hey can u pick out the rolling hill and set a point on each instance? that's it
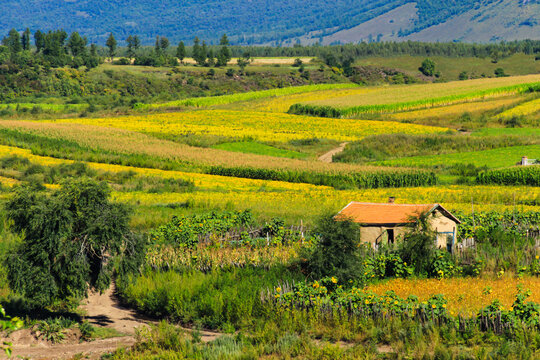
(282, 22)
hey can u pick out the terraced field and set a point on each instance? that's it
(387, 99)
(277, 198)
(254, 155)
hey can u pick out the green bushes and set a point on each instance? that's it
(364, 180)
(338, 252)
(522, 175)
(185, 231)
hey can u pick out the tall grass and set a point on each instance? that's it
(216, 300)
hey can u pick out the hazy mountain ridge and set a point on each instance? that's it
(281, 22)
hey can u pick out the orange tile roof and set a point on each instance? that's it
(385, 213)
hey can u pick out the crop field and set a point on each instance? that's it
(118, 141)
(283, 103)
(260, 149)
(514, 65)
(268, 127)
(455, 110)
(494, 158)
(410, 97)
(55, 108)
(250, 96)
(293, 201)
(528, 108)
(465, 297)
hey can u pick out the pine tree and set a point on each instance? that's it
(224, 55)
(164, 43)
(39, 40)
(157, 47)
(76, 44)
(111, 44)
(181, 51)
(130, 47)
(136, 43)
(204, 53)
(26, 39)
(199, 53)
(93, 50)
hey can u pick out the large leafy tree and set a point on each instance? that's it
(69, 238)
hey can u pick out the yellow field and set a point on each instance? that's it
(527, 108)
(408, 93)
(300, 201)
(269, 127)
(465, 296)
(454, 110)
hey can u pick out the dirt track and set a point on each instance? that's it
(102, 310)
(327, 157)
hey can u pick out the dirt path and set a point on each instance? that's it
(102, 310)
(327, 157)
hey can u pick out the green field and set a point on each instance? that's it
(495, 158)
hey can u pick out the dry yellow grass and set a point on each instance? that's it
(283, 103)
(465, 295)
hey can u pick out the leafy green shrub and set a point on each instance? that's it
(418, 245)
(337, 253)
(184, 231)
(443, 266)
(53, 329)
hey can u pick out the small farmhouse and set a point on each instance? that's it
(383, 223)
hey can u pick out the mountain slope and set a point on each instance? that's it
(281, 21)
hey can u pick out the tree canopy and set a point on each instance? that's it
(69, 238)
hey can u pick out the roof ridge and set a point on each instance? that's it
(392, 204)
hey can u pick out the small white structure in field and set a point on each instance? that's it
(525, 161)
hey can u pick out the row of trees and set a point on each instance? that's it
(55, 48)
(201, 53)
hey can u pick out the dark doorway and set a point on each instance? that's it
(390, 233)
